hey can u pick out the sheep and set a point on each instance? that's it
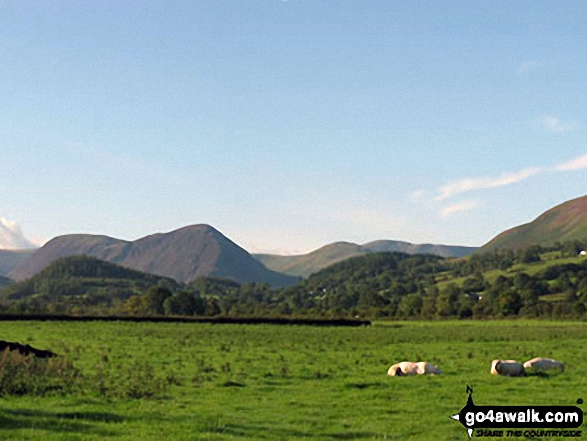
(411, 368)
(507, 368)
(544, 364)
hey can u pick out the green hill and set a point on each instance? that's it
(305, 264)
(532, 282)
(378, 269)
(83, 276)
(567, 221)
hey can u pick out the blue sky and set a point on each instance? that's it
(291, 124)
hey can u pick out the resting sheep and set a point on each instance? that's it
(411, 368)
(544, 364)
(507, 368)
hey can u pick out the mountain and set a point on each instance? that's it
(305, 264)
(183, 255)
(564, 222)
(11, 236)
(9, 259)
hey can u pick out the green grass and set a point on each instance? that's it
(548, 260)
(553, 298)
(263, 382)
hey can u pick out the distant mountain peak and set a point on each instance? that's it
(204, 228)
(183, 255)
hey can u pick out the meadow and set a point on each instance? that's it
(182, 381)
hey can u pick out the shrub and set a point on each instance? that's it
(20, 374)
(136, 380)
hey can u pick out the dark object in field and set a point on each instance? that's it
(25, 349)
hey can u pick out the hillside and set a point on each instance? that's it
(567, 221)
(9, 259)
(84, 276)
(183, 255)
(533, 282)
(305, 264)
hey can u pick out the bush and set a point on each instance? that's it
(20, 374)
(136, 380)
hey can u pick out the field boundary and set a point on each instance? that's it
(212, 320)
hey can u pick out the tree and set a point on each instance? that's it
(429, 303)
(509, 302)
(183, 303)
(531, 254)
(134, 305)
(211, 307)
(154, 298)
(474, 284)
(447, 301)
(411, 305)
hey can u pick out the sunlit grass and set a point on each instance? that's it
(228, 382)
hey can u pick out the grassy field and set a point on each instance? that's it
(266, 382)
(547, 260)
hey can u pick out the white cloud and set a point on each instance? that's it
(578, 163)
(11, 236)
(556, 126)
(466, 185)
(527, 66)
(470, 184)
(459, 207)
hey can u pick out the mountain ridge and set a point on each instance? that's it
(303, 265)
(183, 255)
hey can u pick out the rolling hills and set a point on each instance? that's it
(562, 223)
(183, 255)
(305, 264)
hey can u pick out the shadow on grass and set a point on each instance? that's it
(540, 374)
(65, 422)
(104, 417)
(260, 431)
(366, 385)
